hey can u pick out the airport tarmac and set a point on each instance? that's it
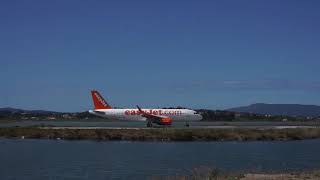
(194, 127)
(91, 124)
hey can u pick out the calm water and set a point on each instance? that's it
(54, 159)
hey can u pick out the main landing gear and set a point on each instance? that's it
(187, 124)
(149, 124)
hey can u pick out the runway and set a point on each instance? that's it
(198, 127)
(91, 124)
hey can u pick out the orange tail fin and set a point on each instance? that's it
(98, 101)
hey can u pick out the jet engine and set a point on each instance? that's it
(165, 121)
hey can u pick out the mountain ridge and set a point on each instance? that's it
(280, 109)
(17, 110)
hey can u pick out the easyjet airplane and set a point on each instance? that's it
(156, 116)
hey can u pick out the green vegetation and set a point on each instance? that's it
(163, 134)
(30, 115)
(217, 115)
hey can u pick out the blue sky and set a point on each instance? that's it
(198, 54)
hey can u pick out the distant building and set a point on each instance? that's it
(66, 116)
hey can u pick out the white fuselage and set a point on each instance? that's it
(135, 115)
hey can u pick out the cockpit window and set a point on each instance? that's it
(195, 113)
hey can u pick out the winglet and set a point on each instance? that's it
(139, 108)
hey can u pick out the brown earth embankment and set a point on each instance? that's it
(163, 134)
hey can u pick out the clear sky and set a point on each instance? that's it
(198, 54)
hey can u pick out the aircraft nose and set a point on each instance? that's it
(199, 117)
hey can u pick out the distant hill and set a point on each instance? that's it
(14, 110)
(280, 109)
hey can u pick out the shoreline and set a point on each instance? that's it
(162, 134)
(207, 173)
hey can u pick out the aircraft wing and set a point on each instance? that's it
(162, 120)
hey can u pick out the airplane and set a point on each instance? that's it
(163, 117)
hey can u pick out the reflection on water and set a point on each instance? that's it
(50, 159)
